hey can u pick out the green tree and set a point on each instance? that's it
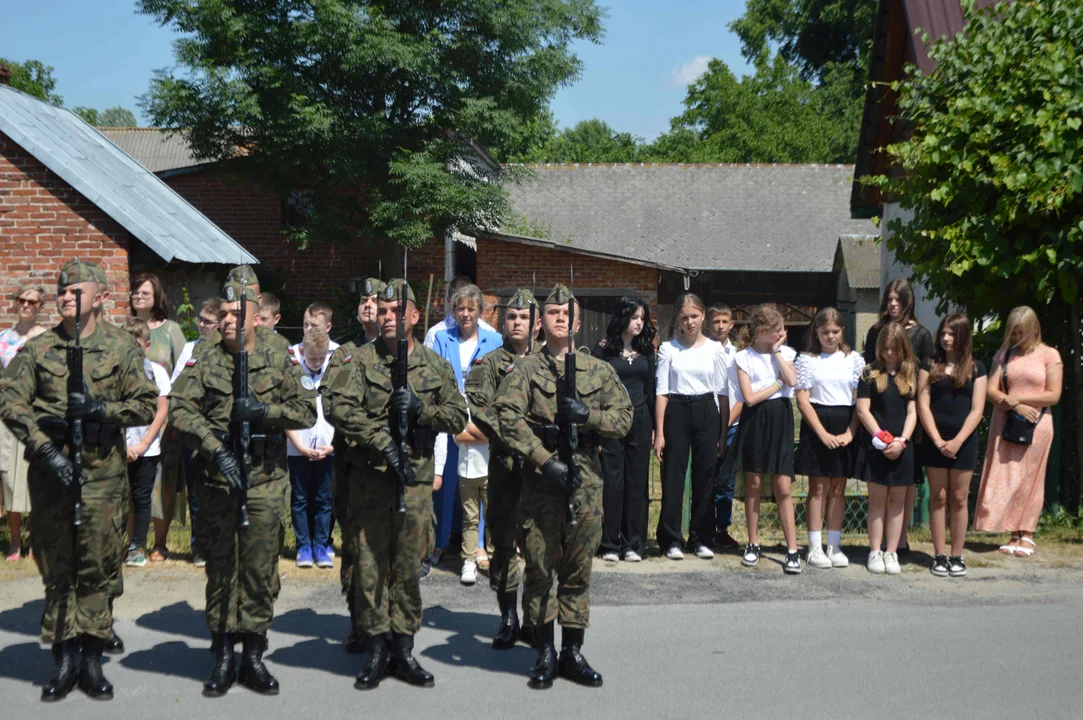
(590, 141)
(34, 78)
(380, 97)
(994, 174)
(117, 117)
(89, 115)
(772, 116)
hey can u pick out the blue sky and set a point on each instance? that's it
(104, 54)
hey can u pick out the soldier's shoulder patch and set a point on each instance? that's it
(509, 368)
(148, 369)
(190, 363)
(348, 358)
(480, 360)
(294, 360)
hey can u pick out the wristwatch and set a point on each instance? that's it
(903, 440)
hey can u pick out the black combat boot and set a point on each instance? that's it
(545, 668)
(403, 664)
(91, 679)
(508, 632)
(572, 664)
(65, 674)
(217, 639)
(224, 672)
(254, 674)
(114, 645)
(526, 633)
(355, 643)
(375, 668)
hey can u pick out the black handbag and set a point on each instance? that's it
(1017, 429)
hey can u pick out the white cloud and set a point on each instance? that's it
(691, 70)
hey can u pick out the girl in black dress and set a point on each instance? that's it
(951, 398)
(885, 407)
(898, 306)
(629, 347)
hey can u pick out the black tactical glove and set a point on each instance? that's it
(83, 407)
(249, 410)
(554, 470)
(57, 462)
(572, 410)
(391, 454)
(229, 467)
(404, 399)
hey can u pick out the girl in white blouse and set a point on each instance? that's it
(690, 376)
(764, 442)
(827, 376)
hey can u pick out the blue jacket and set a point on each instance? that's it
(446, 345)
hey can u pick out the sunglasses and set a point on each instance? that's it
(204, 321)
(27, 302)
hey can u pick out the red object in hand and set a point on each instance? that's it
(885, 437)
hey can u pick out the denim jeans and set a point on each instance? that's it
(310, 500)
(723, 491)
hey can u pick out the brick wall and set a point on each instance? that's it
(44, 223)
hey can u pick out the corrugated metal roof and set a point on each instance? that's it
(937, 19)
(861, 257)
(155, 149)
(696, 217)
(124, 190)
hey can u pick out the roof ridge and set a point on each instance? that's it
(575, 166)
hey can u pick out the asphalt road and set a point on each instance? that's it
(671, 643)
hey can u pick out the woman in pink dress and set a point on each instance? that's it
(1013, 482)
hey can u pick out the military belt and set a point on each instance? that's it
(261, 445)
(95, 434)
(549, 434)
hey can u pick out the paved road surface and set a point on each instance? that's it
(672, 641)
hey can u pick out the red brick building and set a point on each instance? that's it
(66, 192)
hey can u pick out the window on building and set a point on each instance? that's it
(299, 207)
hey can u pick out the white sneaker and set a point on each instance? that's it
(891, 563)
(876, 562)
(632, 556)
(837, 557)
(674, 553)
(611, 557)
(816, 558)
(704, 553)
(470, 573)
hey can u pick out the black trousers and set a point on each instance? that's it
(692, 425)
(626, 466)
(141, 478)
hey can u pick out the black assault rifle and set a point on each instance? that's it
(569, 431)
(242, 432)
(76, 384)
(400, 381)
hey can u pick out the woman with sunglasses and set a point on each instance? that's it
(13, 466)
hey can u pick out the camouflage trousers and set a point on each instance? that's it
(502, 518)
(389, 546)
(81, 567)
(556, 550)
(340, 506)
(242, 565)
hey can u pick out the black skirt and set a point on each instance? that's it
(815, 459)
(764, 440)
(874, 467)
(965, 459)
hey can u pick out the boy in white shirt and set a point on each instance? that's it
(311, 459)
(719, 324)
(144, 452)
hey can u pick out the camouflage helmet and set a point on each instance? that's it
(521, 300)
(80, 271)
(372, 286)
(394, 290)
(232, 291)
(560, 295)
(243, 274)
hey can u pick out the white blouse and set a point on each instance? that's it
(830, 378)
(763, 370)
(691, 371)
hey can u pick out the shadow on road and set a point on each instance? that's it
(177, 619)
(470, 644)
(25, 620)
(175, 658)
(309, 623)
(318, 654)
(28, 662)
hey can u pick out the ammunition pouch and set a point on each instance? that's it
(549, 434)
(95, 434)
(261, 445)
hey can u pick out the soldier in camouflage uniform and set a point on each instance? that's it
(81, 567)
(245, 275)
(521, 323)
(526, 408)
(242, 563)
(347, 456)
(387, 574)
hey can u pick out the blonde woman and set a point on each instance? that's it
(13, 466)
(888, 415)
(1026, 381)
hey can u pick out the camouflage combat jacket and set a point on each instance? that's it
(481, 386)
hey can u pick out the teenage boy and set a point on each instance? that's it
(719, 325)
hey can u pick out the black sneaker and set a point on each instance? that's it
(956, 566)
(751, 557)
(940, 566)
(426, 568)
(792, 566)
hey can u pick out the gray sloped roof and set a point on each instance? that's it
(122, 188)
(861, 257)
(696, 217)
(155, 149)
